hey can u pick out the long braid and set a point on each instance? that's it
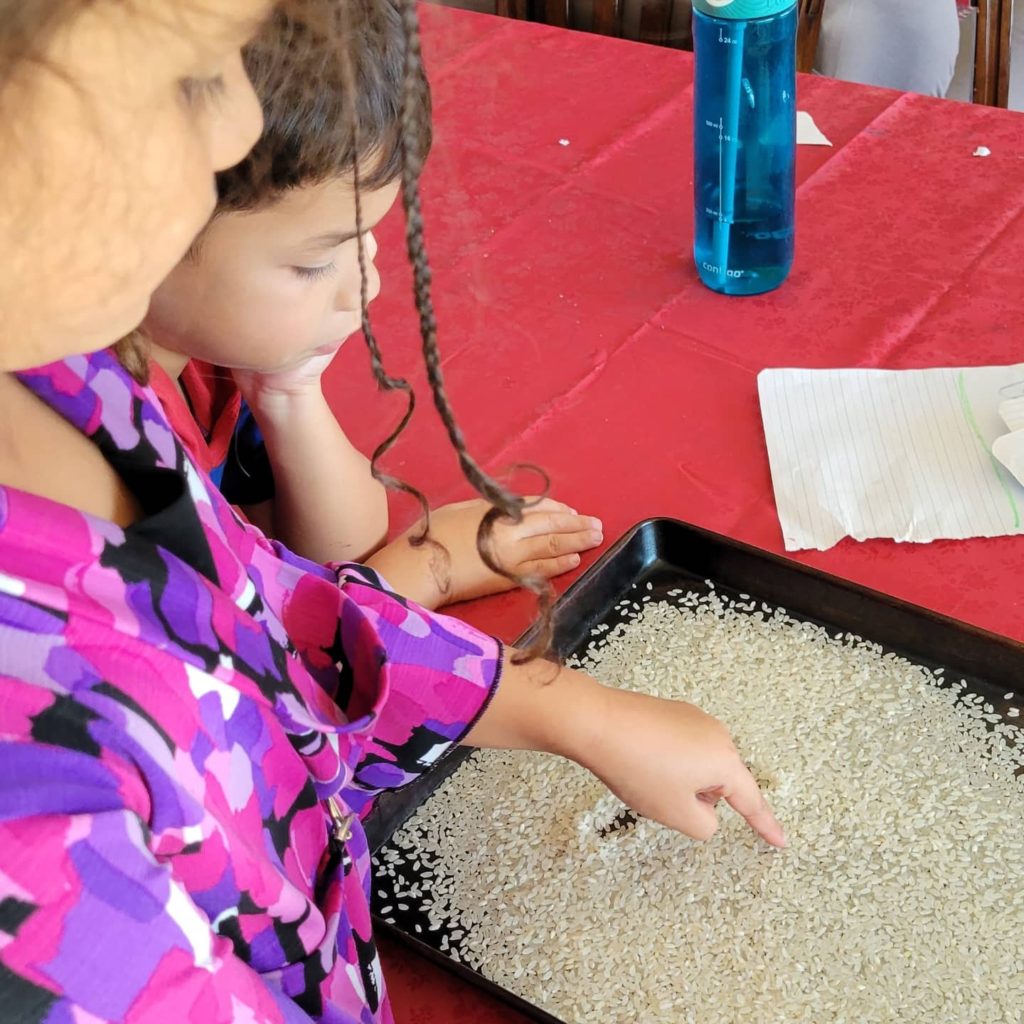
(505, 503)
(384, 380)
(441, 567)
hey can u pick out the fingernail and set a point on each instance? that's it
(596, 537)
(574, 559)
(596, 523)
(574, 512)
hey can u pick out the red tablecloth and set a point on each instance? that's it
(577, 336)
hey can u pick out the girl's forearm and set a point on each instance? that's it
(327, 505)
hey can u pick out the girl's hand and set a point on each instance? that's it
(546, 542)
(266, 391)
(327, 506)
(665, 759)
(669, 761)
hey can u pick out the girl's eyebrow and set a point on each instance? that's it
(331, 239)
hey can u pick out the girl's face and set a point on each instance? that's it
(271, 288)
(109, 140)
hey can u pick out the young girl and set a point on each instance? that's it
(192, 718)
(274, 287)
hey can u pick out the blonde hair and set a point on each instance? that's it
(132, 352)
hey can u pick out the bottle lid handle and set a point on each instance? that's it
(742, 10)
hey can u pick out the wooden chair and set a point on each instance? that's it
(991, 49)
(992, 52)
(655, 16)
(807, 33)
(655, 24)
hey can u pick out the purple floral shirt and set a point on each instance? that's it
(177, 700)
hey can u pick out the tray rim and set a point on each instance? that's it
(587, 580)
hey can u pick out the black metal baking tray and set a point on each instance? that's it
(669, 554)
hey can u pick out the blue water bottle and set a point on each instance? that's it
(744, 142)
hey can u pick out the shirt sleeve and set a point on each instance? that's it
(413, 682)
(93, 927)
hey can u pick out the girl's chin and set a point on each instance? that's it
(329, 348)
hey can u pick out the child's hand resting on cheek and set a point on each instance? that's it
(261, 389)
(546, 542)
(326, 506)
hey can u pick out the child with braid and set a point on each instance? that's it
(193, 721)
(244, 327)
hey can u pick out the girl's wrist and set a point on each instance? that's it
(540, 706)
(580, 719)
(283, 410)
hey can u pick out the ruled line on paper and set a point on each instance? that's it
(903, 454)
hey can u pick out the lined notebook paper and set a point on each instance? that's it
(905, 454)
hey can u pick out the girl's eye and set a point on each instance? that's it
(314, 273)
(197, 91)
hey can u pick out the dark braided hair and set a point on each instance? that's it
(324, 117)
(368, 115)
(351, 94)
(504, 503)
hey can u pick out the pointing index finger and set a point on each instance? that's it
(748, 801)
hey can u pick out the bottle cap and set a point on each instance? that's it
(742, 10)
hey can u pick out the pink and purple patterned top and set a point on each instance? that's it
(177, 700)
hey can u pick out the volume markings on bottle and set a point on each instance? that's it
(723, 136)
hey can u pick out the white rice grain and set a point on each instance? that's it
(899, 899)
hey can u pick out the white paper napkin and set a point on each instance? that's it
(905, 454)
